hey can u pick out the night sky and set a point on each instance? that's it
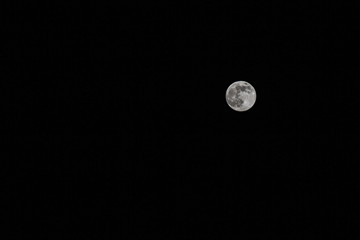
(115, 122)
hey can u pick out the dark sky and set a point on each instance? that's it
(121, 128)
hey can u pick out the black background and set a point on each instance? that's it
(115, 122)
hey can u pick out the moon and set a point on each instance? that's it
(240, 96)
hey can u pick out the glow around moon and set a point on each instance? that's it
(240, 96)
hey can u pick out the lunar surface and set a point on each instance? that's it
(240, 96)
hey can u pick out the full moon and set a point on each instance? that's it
(240, 96)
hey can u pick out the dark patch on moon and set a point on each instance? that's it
(245, 89)
(239, 102)
(231, 92)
